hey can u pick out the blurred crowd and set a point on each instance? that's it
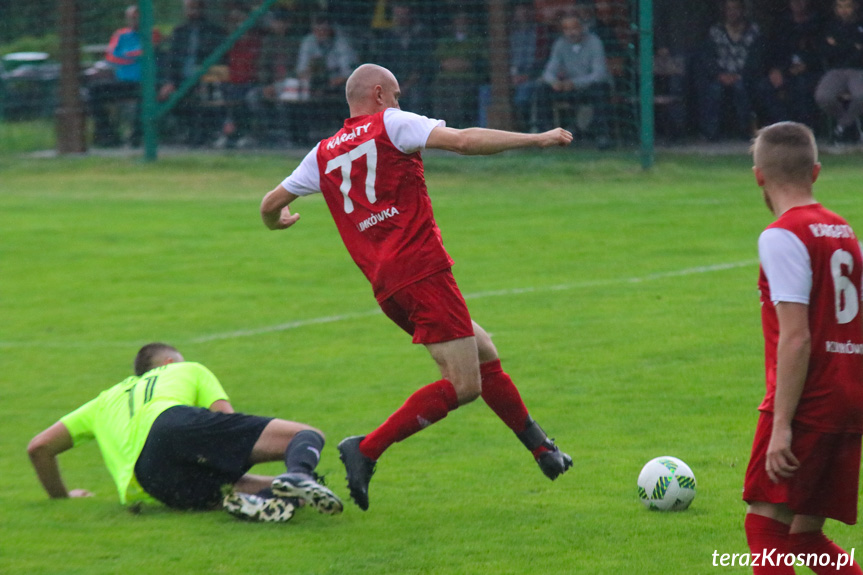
(718, 73)
(799, 60)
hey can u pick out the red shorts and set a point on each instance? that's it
(432, 310)
(826, 483)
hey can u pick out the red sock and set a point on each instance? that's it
(501, 395)
(768, 538)
(816, 544)
(539, 451)
(426, 406)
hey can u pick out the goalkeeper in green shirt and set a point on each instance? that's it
(169, 433)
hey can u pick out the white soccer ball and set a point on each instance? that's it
(666, 484)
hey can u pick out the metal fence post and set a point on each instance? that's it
(149, 117)
(645, 59)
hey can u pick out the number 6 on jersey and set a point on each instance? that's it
(847, 303)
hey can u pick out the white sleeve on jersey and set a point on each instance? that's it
(408, 131)
(786, 264)
(306, 179)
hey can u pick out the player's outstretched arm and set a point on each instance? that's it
(484, 142)
(43, 451)
(274, 209)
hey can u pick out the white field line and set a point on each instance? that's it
(363, 314)
(284, 326)
(606, 282)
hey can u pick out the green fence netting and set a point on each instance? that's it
(270, 74)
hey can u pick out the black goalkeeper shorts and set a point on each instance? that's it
(191, 453)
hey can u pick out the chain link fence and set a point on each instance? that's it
(231, 74)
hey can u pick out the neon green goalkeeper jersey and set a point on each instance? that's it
(120, 418)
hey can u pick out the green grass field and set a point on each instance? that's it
(623, 304)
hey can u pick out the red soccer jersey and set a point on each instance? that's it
(824, 245)
(377, 196)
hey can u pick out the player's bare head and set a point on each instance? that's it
(155, 355)
(786, 153)
(369, 83)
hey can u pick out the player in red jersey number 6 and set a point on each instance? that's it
(371, 176)
(805, 463)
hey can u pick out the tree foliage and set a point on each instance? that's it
(97, 18)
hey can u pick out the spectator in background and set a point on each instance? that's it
(669, 86)
(793, 66)
(124, 58)
(243, 67)
(326, 57)
(549, 12)
(406, 49)
(842, 47)
(611, 30)
(190, 44)
(730, 63)
(672, 70)
(326, 60)
(461, 57)
(525, 63)
(576, 72)
(277, 63)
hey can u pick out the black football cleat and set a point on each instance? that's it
(553, 462)
(360, 469)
